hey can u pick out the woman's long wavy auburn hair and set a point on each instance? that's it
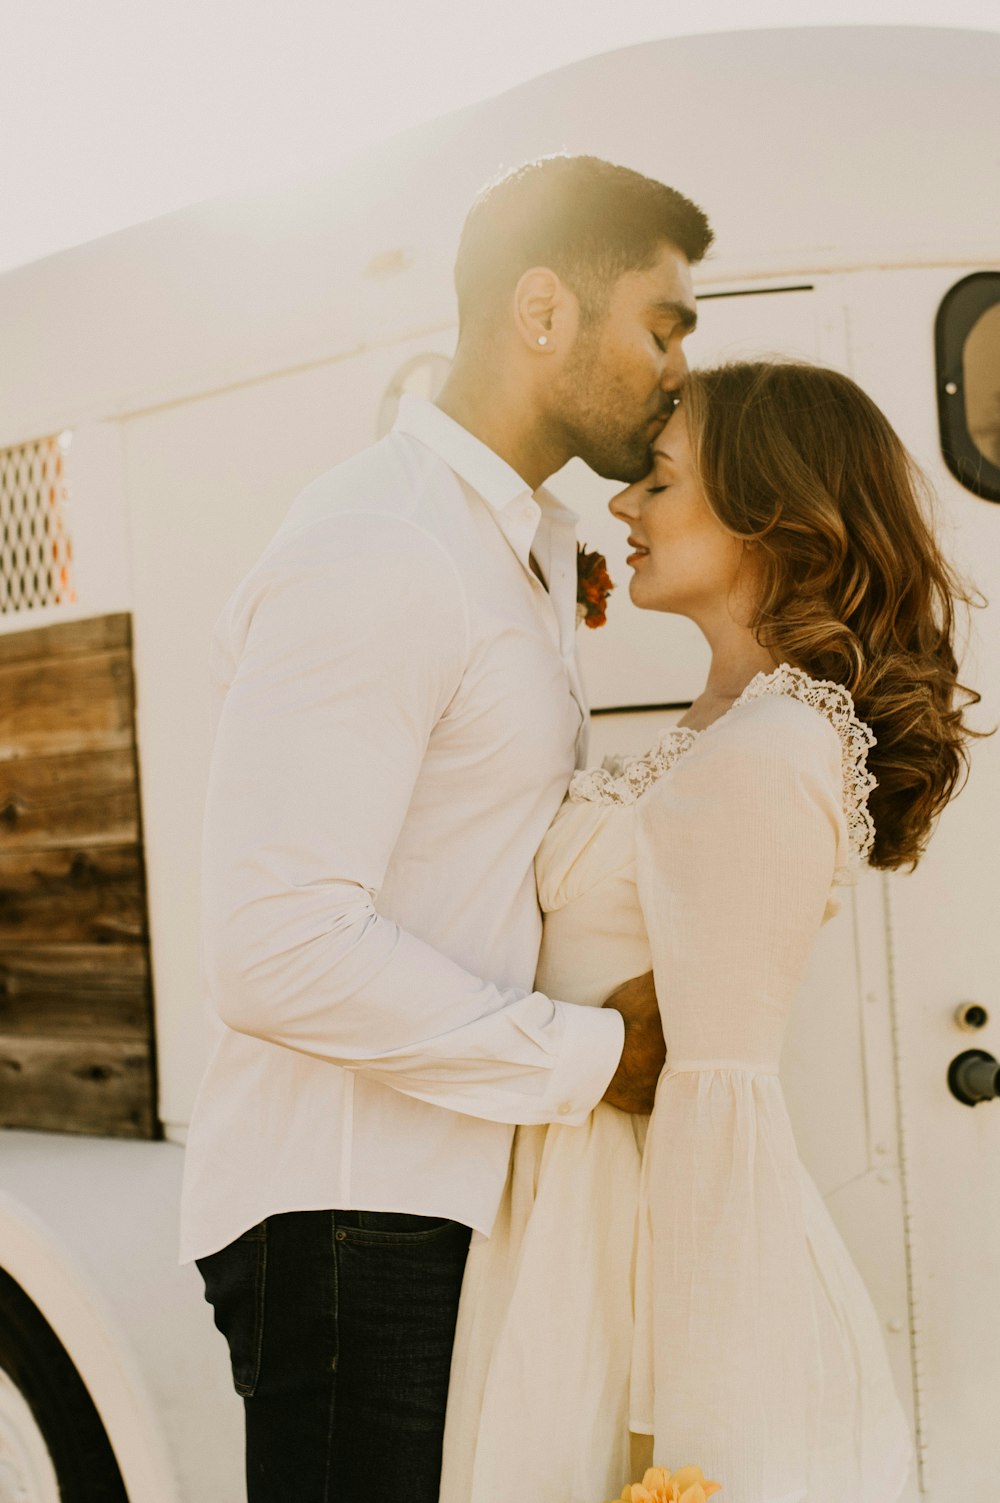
(799, 462)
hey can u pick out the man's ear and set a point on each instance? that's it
(546, 312)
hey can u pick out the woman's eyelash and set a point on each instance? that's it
(659, 344)
(654, 490)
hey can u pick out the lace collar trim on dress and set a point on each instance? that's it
(626, 779)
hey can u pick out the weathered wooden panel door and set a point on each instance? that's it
(76, 1049)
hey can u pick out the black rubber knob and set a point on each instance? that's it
(974, 1076)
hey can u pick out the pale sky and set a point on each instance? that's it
(115, 111)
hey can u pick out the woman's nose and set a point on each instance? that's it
(623, 505)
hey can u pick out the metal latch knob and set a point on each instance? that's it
(974, 1076)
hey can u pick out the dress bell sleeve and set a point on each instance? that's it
(737, 848)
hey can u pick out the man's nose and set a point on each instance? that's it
(675, 370)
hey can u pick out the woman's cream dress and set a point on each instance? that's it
(691, 1287)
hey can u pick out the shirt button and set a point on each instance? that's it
(565, 1107)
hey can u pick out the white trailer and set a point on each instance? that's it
(203, 367)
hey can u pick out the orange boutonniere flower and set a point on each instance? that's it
(593, 586)
(689, 1485)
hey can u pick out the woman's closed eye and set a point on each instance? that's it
(654, 490)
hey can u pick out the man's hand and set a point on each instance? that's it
(633, 1084)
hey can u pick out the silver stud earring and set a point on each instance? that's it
(543, 339)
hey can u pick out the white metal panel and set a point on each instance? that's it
(946, 949)
(812, 150)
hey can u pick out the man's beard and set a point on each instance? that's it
(598, 430)
(621, 457)
(605, 444)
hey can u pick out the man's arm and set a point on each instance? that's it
(351, 643)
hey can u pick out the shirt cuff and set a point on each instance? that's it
(591, 1050)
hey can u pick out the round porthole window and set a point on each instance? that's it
(423, 376)
(968, 375)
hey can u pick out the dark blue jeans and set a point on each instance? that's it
(340, 1327)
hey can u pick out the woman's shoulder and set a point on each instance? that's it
(802, 704)
(791, 716)
(787, 730)
(771, 726)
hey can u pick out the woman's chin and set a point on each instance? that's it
(645, 598)
(635, 590)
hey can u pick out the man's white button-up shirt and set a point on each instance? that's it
(398, 716)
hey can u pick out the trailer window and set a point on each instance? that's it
(36, 551)
(968, 376)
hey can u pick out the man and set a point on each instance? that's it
(399, 717)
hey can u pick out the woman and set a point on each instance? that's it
(687, 1298)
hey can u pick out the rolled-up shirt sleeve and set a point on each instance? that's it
(346, 646)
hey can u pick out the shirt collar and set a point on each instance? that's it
(477, 464)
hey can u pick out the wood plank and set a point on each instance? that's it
(92, 991)
(88, 1086)
(95, 634)
(49, 707)
(76, 1050)
(74, 895)
(90, 798)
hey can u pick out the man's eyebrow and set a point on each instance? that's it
(681, 313)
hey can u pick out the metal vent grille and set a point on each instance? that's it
(36, 552)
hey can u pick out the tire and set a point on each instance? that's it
(52, 1442)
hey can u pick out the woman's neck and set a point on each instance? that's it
(737, 657)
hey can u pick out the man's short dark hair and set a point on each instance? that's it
(588, 220)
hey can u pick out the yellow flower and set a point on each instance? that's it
(689, 1485)
(693, 1486)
